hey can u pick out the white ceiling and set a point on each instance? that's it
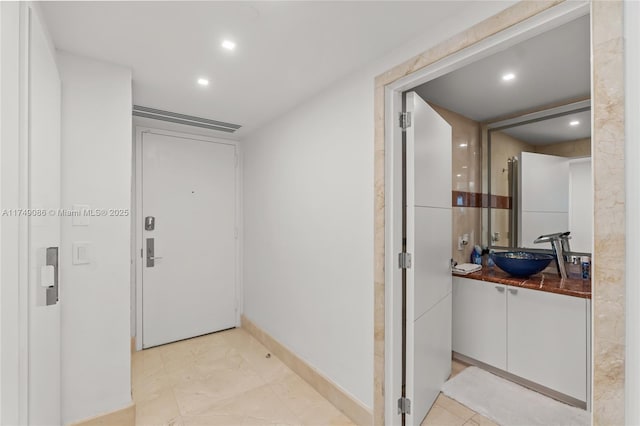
(549, 68)
(553, 130)
(286, 51)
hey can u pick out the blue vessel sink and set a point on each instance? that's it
(521, 263)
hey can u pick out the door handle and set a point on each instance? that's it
(52, 291)
(513, 290)
(500, 289)
(151, 258)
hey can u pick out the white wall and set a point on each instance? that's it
(308, 226)
(96, 171)
(308, 219)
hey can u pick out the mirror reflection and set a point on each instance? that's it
(524, 97)
(540, 178)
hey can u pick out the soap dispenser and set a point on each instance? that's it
(574, 269)
(476, 255)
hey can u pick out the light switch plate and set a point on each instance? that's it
(80, 220)
(81, 253)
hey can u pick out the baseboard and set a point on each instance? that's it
(123, 417)
(350, 406)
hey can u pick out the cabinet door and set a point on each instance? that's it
(547, 340)
(479, 326)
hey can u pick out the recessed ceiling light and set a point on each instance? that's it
(203, 81)
(458, 175)
(508, 76)
(463, 145)
(228, 44)
(574, 123)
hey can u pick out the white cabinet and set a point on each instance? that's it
(538, 336)
(479, 326)
(547, 340)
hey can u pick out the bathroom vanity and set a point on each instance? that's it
(534, 331)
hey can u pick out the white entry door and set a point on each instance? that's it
(429, 281)
(189, 238)
(44, 228)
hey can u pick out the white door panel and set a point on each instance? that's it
(432, 154)
(428, 150)
(432, 357)
(44, 230)
(432, 256)
(535, 224)
(545, 182)
(581, 204)
(189, 188)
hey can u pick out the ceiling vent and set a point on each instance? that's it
(188, 120)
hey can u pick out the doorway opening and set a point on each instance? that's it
(402, 368)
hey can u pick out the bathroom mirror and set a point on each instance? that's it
(522, 97)
(539, 178)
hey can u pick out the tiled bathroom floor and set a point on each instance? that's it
(223, 379)
(449, 412)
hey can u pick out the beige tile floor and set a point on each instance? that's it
(223, 379)
(449, 412)
(227, 379)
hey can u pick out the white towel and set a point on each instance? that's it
(466, 268)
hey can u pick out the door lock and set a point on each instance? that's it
(149, 223)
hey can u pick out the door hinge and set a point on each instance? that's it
(404, 260)
(405, 120)
(404, 406)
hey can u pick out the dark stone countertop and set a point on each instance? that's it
(544, 281)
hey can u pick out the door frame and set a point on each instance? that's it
(392, 200)
(632, 159)
(137, 263)
(14, 166)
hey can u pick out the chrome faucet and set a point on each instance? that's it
(560, 245)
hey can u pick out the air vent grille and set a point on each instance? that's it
(189, 120)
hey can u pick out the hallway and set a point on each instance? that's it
(223, 378)
(227, 379)
(316, 255)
